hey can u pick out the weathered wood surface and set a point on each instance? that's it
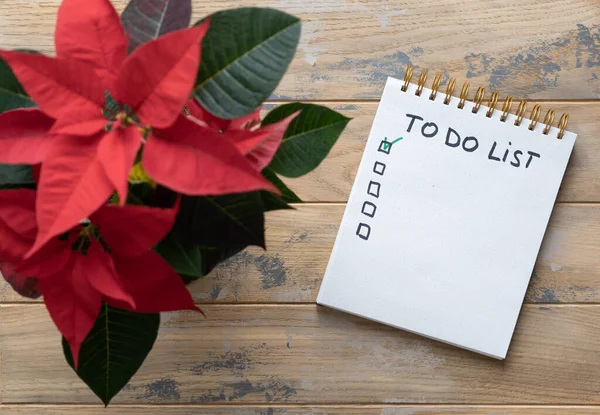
(298, 410)
(333, 179)
(276, 356)
(530, 48)
(299, 244)
(309, 354)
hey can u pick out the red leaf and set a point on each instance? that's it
(35, 171)
(58, 86)
(102, 275)
(48, 261)
(73, 303)
(195, 160)
(157, 78)
(116, 152)
(17, 223)
(90, 31)
(83, 122)
(260, 149)
(204, 118)
(72, 186)
(133, 230)
(246, 122)
(25, 286)
(23, 136)
(154, 285)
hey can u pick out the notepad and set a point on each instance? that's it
(446, 217)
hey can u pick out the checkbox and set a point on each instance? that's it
(363, 231)
(385, 147)
(373, 189)
(379, 168)
(369, 209)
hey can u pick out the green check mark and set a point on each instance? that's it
(393, 142)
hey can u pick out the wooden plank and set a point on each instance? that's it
(530, 48)
(309, 354)
(299, 244)
(333, 179)
(297, 410)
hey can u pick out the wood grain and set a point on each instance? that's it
(310, 354)
(297, 410)
(333, 179)
(299, 244)
(278, 357)
(529, 48)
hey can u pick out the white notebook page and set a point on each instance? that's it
(440, 238)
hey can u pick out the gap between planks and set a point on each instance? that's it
(572, 203)
(307, 304)
(302, 405)
(376, 101)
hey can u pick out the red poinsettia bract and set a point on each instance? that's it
(107, 258)
(257, 143)
(85, 146)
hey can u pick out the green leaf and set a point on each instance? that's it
(12, 94)
(15, 176)
(307, 140)
(244, 56)
(211, 257)
(114, 350)
(185, 258)
(286, 193)
(222, 221)
(272, 202)
(145, 20)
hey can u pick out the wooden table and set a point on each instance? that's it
(266, 348)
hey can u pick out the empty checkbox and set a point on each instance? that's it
(379, 168)
(369, 209)
(363, 231)
(385, 147)
(373, 189)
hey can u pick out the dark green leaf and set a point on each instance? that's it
(286, 193)
(271, 202)
(211, 257)
(184, 258)
(114, 350)
(145, 20)
(12, 94)
(244, 56)
(16, 175)
(222, 221)
(307, 140)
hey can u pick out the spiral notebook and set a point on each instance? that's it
(447, 214)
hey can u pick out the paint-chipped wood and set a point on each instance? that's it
(529, 48)
(239, 355)
(299, 243)
(297, 410)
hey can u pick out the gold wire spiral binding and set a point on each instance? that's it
(463, 95)
(506, 108)
(562, 125)
(535, 115)
(479, 95)
(449, 90)
(437, 80)
(421, 82)
(407, 77)
(492, 104)
(548, 120)
(520, 112)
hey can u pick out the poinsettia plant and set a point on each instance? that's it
(136, 160)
